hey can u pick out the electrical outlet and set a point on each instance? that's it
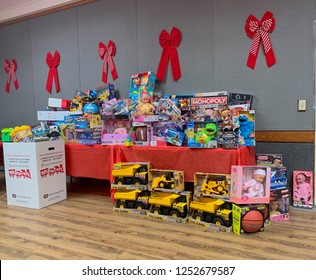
(301, 105)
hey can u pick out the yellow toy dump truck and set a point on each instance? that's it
(212, 210)
(135, 199)
(170, 204)
(217, 186)
(131, 173)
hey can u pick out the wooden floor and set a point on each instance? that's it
(83, 227)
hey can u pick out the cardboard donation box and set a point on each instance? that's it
(35, 173)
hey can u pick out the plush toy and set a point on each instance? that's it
(246, 129)
(227, 121)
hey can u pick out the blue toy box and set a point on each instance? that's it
(140, 83)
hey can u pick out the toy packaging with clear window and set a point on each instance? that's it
(303, 189)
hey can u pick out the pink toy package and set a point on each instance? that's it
(115, 131)
(303, 189)
(250, 184)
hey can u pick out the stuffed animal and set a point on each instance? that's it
(227, 121)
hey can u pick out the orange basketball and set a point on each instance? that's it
(252, 221)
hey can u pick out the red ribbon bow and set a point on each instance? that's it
(169, 43)
(10, 68)
(53, 63)
(106, 54)
(258, 31)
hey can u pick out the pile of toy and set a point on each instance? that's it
(240, 202)
(200, 120)
(147, 117)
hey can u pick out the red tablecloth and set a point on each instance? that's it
(93, 161)
(189, 160)
(96, 161)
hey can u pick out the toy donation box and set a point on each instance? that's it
(35, 173)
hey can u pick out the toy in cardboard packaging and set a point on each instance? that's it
(275, 160)
(130, 175)
(21, 133)
(68, 133)
(212, 184)
(250, 218)
(303, 189)
(278, 177)
(202, 134)
(173, 207)
(213, 211)
(236, 99)
(280, 203)
(247, 128)
(140, 133)
(250, 184)
(5, 134)
(207, 108)
(142, 82)
(115, 130)
(175, 137)
(166, 180)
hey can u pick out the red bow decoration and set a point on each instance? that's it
(106, 54)
(53, 63)
(258, 31)
(10, 68)
(169, 43)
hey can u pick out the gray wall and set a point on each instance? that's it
(213, 54)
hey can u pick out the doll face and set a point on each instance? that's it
(259, 178)
(120, 124)
(300, 178)
(145, 99)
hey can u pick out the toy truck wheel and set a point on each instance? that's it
(137, 182)
(162, 184)
(172, 185)
(198, 216)
(139, 206)
(218, 221)
(119, 181)
(174, 214)
(121, 205)
(156, 210)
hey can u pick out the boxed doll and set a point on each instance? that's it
(250, 184)
(303, 189)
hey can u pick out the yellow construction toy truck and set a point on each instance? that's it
(170, 180)
(170, 204)
(131, 173)
(132, 199)
(217, 186)
(212, 210)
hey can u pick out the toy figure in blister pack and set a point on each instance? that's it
(255, 187)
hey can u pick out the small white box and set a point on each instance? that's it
(35, 173)
(59, 103)
(52, 115)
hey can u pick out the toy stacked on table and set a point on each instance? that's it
(211, 206)
(280, 192)
(130, 185)
(168, 200)
(250, 193)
